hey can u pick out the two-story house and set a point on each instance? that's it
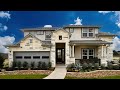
(66, 45)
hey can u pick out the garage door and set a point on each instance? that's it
(43, 56)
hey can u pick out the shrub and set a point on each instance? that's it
(78, 66)
(103, 66)
(49, 65)
(109, 65)
(85, 66)
(39, 65)
(116, 67)
(6, 64)
(90, 65)
(14, 64)
(96, 66)
(1, 61)
(25, 65)
(32, 65)
(19, 65)
(44, 66)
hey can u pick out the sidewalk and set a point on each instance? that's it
(58, 73)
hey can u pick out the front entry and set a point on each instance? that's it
(60, 53)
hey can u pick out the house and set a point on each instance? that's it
(116, 55)
(66, 45)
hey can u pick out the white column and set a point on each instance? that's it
(102, 51)
(73, 51)
(70, 51)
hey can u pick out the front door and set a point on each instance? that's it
(60, 55)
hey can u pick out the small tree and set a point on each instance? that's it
(25, 65)
(19, 65)
(32, 65)
(39, 65)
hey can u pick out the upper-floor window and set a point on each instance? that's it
(48, 35)
(71, 30)
(88, 32)
(40, 32)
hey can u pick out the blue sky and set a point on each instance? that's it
(12, 21)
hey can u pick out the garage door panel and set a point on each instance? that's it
(44, 56)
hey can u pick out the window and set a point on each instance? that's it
(27, 57)
(71, 30)
(36, 57)
(87, 32)
(40, 32)
(48, 35)
(60, 37)
(87, 53)
(31, 40)
(18, 57)
(45, 57)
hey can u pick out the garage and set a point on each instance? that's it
(32, 56)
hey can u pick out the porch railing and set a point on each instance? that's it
(93, 61)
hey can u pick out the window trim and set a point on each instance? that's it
(87, 52)
(40, 33)
(70, 30)
(48, 34)
(88, 36)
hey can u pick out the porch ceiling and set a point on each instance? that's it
(89, 42)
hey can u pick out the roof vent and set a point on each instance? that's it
(49, 26)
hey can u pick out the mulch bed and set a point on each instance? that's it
(94, 74)
(23, 72)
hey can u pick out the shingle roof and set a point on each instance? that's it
(105, 33)
(89, 42)
(82, 26)
(41, 28)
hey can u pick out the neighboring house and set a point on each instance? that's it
(66, 45)
(116, 55)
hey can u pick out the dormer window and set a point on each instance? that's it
(48, 35)
(87, 32)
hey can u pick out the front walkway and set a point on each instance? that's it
(58, 73)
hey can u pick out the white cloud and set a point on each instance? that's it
(77, 21)
(104, 12)
(3, 27)
(116, 44)
(4, 14)
(116, 16)
(7, 40)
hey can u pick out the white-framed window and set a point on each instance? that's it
(87, 53)
(48, 35)
(40, 32)
(71, 30)
(88, 32)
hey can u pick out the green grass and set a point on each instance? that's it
(35, 76)
(107, 77)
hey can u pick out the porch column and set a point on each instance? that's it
(73, 51)
(102, 52)
(70, 51)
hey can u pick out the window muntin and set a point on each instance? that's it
(48, 35)
(40, 32)
(87, 53)
(87, 32)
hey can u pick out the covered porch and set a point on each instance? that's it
(89, 51)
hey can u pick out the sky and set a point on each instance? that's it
(12, 21)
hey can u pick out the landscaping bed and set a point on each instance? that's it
(93, 74)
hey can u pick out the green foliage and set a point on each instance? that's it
(25, 65)
(1, 61)
(103, 66)
(84, 66)
(32, 65)
(14, 64)
(49, 65)
(96, 66)
(78, 66)
(39, 65)
(19, 65)
(116, 67)
(109, 65)
(44, 66)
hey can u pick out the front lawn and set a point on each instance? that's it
(106, 77)
(32, 76)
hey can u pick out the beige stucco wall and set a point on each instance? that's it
(78, 50)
